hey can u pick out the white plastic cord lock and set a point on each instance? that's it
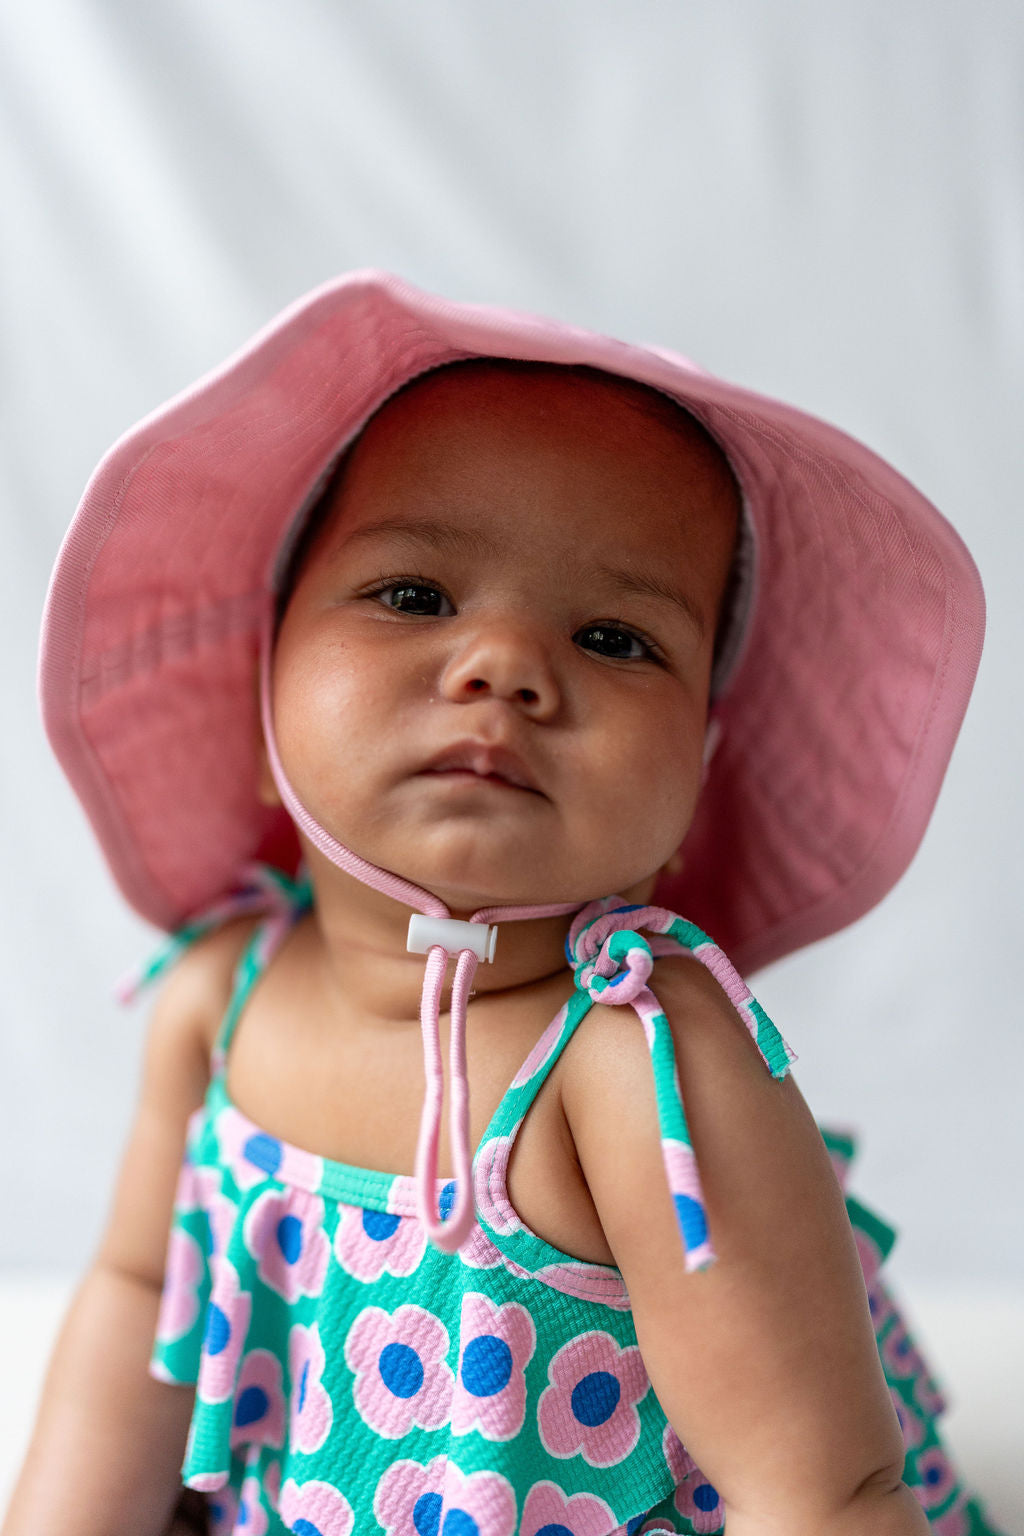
(452, 934)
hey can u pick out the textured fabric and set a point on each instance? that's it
(350, 1377)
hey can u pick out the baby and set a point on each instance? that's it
(502, 584)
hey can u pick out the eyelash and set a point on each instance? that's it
(387, 583)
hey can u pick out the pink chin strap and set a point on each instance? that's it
(435, 933)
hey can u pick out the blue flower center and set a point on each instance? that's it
(217, 1331)
(251, 1406)
(705, 1497)
(595, 1397)
(289, 1237)
(263, 1152)
(692, 1221)
(206, 1229)
(486, 1365)
(426, 1518)
(458, 1523)
(401, 1369)
(426, 1514)
(380, 1224)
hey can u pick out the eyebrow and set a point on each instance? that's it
(447, 538)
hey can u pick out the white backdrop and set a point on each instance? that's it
(819, 200)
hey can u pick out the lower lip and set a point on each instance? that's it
(467, 776)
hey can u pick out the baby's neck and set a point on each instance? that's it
(357, 943)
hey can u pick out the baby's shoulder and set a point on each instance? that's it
(198, 987)
(608, 1061)
(689, 996)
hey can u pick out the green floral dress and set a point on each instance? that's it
(350, 1377)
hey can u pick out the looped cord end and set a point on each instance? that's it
(451, 1234)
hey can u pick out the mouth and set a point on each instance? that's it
(471, 761)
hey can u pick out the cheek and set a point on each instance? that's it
(323, 704)
(650, 777)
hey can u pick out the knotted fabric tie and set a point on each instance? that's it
(612, 963)
(260, 889)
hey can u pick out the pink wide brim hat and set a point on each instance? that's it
(861, 639)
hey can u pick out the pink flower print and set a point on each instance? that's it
(955, 1522)
(222, 1508)
(497, 1344)
(407, 1492)
(926, 1393)
(937, 1480)
(698, 1502)
(218, 1209)
(677, 1458)
(489, 1165)
(311, 1410)
(252, 1517)
(869, 1254)
(880, 1306)
(694, 1496)
(401, 1375)
(227, 1323)
(588, 1407)
(910, 1424)
(898, 1353)
(179, 1303)
(198, 1189)
(255, 1156)
(902, 1360)
(415, 1500)
(691, 1216)
(542, 1049)
(549, 1510)
(478, 1252)
(366, 1243)
(284, 1233)
(258, 1417)
(315, 1509)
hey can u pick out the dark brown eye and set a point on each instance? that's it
(413, 597)
(611, 640)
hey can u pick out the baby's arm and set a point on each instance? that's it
(108, 1444)
(765, 1363)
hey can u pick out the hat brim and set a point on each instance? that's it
(862, 642)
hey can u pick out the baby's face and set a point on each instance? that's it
(476, 684)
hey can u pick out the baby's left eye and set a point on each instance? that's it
(613, 640)
(409, 596)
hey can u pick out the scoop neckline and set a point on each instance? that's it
(312, 1171)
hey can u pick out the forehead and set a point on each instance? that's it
(540, 451)
(507, 401)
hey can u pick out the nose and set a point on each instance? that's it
(504, 660)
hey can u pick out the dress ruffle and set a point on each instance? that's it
(241, 1257)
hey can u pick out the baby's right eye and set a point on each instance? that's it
(415, 597)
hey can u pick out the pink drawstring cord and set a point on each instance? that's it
(450, 1234)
